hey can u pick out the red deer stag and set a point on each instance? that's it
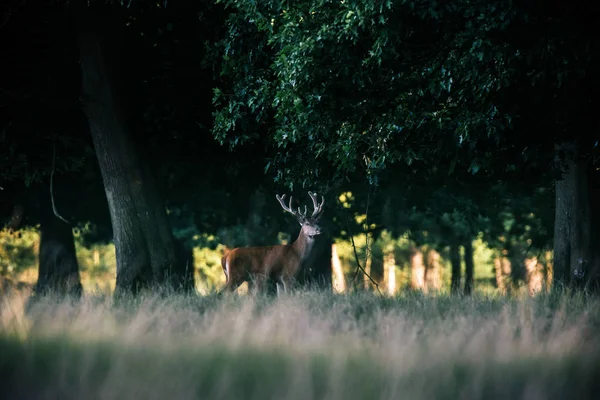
(280, 263)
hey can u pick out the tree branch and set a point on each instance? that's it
(359, 267)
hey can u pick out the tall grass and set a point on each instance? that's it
(302, 346)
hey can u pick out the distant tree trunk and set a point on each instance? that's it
(368, 285)
(185, 259)
(534, 276)
(503, 271)
(549, 271)
(339, 282)
(389, 268)
(575, 259)
(58, 269)
(145, 251)
(455, 262)
(417, 270)
(16, 217)
(377, 270)
(433, 271)
(469, 267)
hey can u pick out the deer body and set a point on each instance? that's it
(281, 263)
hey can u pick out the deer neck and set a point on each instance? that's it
(303, 245)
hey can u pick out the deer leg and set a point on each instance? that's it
(233, 281)
(260, 283)
(286, 284)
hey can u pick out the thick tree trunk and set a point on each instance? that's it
(469, 267)
(455, 262)
(145, 252)
(575, 259)
(339, 282)
(433, 271)
(58, 269)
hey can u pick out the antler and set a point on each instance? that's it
(318, 208)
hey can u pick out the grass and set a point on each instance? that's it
(303, 346)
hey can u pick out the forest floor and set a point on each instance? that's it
(301, 346)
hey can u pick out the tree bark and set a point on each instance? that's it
(575, 259)
(58, 269)
(455, 262)
(145, 252)
(469, 267)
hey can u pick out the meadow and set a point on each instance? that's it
(305, 345)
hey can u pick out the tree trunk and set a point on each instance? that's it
(339, 283)
(455, 262)
(417, 270)
(469, 267)
(534, 276)
(368, 285)
(145, 252)
(433, 271)
(58, 269)
(575, 261)
(389, 268)
(185, 260)
(549, 271)
(503, 269)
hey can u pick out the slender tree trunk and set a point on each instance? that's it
(339, 282)
(377, 269)
(368, 285)
(433, 271)
(549, 271)
(534, 276)
(389, 268)
(58, 269)
(417, 270)
(575, 261)
(455, 262)
(145, 252)
(469, 267)
(503, 269)
(185, 259)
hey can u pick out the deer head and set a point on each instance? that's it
(310, 226)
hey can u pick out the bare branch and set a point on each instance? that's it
(359, 267)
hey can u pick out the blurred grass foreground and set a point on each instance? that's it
(305, 345)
